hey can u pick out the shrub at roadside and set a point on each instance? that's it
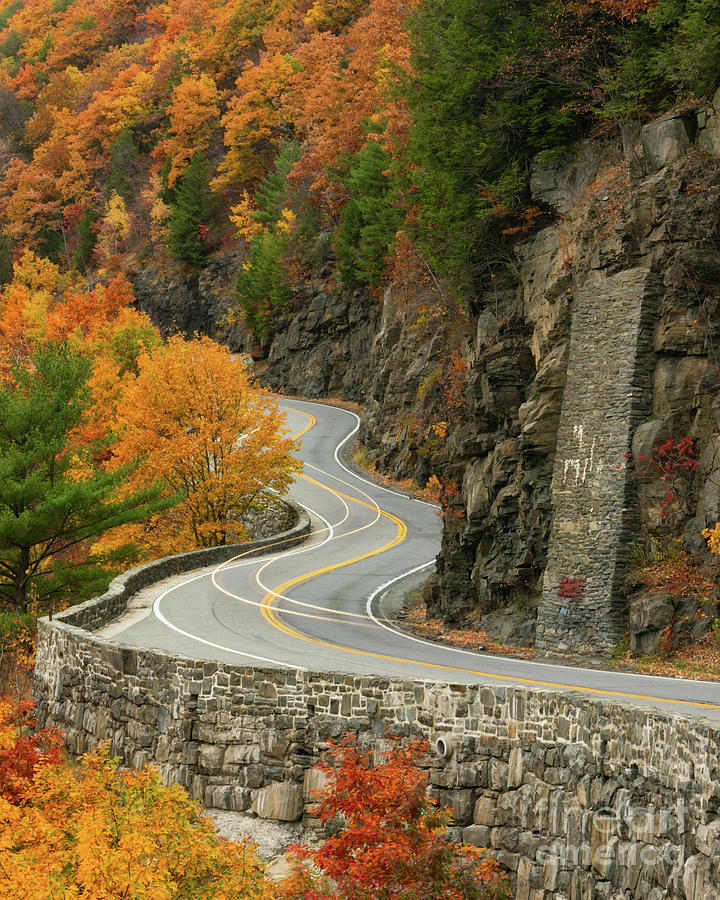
(394, 843)
(99, 833)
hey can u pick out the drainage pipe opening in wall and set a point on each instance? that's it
(444, 746)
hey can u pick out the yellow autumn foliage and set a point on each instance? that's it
(214, 439)
(102, 834)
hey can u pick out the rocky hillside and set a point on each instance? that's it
(655, 207)
(189, 301)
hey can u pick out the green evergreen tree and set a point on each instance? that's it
(124, 164)
(52, 496)
(86, 239)
(370, 218)
(263, 290)
(476, 124)
(6, 264)
(682, 46)
(272, 193)
(192, 209)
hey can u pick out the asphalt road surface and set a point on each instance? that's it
(320, 606)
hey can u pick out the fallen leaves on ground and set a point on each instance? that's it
(437, 630)
(699, 661)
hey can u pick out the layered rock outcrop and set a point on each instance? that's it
(579, 329)
(185, 301)
(324, 349)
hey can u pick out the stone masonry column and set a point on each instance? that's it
(607, 394)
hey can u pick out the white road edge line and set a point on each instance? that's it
(378, 591)
(350, 471)
(157, 612)
(479, 654)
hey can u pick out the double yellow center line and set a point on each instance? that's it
(271, 596)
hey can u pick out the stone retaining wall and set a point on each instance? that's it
(580, 798)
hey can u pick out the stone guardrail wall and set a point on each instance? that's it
(99, 611)
(580, 798)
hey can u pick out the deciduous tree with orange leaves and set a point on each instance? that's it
(215, 440)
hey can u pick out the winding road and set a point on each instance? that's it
(321, 606)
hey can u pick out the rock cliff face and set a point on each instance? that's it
(601, 346)
(186, 301)
(606, 350)
(324, 348)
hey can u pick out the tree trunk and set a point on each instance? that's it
(21, 579)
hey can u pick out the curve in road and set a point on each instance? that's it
(319, 607)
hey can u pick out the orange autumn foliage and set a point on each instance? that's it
(343, 81)
(193, 113)
(254, 122)
(334, 15)
(179, 77)
(214, 439)
(394, 844)
(43, 305)
(23, 750)
(96, 833)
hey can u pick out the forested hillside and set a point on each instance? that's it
(377, 156)
(366, 132)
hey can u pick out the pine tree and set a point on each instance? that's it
(263, 289)
(86, 239)
(192, 208)
(271, 195)
(124, 165)
(370, 218)
(53, 493)
(6, 265)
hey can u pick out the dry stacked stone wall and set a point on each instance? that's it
(579, 798)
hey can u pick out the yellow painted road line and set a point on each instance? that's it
(443, 668)
(269, 614)
(311, 423)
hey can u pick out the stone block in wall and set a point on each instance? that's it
(282, 801)
(461, 805)
(478, 835)
(210, 758)
(666, 140)
(499, 774)
(522, 882)
(707, 839)
(227, 796)
(515, 768)
(315, 783)
(240, 755)
(696, 879)
(485, 811)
